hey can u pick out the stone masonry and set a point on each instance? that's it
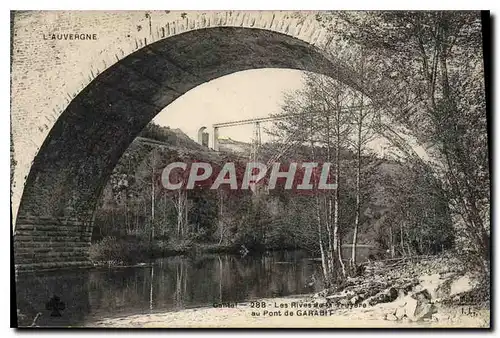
(76, 104)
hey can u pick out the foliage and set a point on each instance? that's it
(120, 250)
(433, 82)
(224, 220)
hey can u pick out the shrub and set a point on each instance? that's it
(127, 250)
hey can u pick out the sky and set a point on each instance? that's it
(238, 96)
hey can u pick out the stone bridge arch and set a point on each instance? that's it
(69, 128)
(47, 74)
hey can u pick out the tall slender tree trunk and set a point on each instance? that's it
(341, 260)
(328, 204)
(221, 220)
(151, 288)
(391, 241)
(329, 227)
(220, 279)
(402, 240)
(179, 209)
(145, 216)
(325, 262)
(358, 192)
(359, 144)
(137, 211)
(152, 200)
(164, 222)
(337, 178)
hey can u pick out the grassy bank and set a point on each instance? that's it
(133, 250)
(119, 250)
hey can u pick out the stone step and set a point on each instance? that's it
(42, 220)
(49, 257)
(50, 254)
(45, 238)
(50, 227)
(49, 249)
(54, 233)
(52, 265)
(27, 244)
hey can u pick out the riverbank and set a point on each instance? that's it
(113, 251)
(411, 292)
(275, 315)
(132, 250)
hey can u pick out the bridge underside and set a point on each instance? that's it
(54, 223)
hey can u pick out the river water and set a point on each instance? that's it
(167, 284)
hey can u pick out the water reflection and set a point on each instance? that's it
(168, 284)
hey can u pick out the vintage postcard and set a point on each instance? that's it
(249, 169)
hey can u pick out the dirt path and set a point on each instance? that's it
(289, 312)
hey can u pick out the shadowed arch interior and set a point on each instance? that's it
(80, 152)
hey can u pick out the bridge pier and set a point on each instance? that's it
(216, 138)
(42, 242)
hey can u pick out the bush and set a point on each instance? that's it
(180, 246)
(218, 248)
(202, 235)
(128, 250)
(106, 250)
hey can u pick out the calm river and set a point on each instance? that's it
(167, 284)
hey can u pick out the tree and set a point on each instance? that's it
(433, 83)
(317, 116)
(364, 125)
